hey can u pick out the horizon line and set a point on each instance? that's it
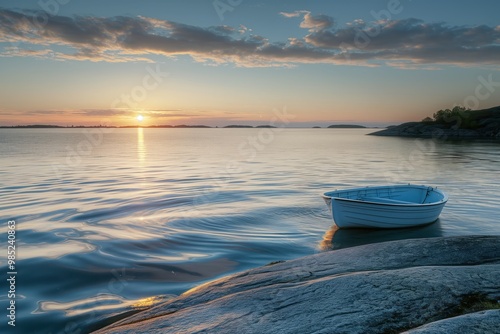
(201, 126)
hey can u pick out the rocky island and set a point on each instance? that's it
(457, 123)
(430, 285)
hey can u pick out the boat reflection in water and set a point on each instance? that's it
(336, 238)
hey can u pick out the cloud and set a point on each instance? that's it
(414, 41)
(132, 113)
(404, 43)
(243, 29)
(32, 112)
(102, 112)
(153, 114)
(316, 22)
(311, 22)
(223, 30)
(297, 13)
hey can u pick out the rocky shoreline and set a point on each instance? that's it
(440, 131)
(456, 124)
(431, 285)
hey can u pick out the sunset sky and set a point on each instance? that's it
(75, 62)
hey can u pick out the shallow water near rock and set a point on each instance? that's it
(114, 220)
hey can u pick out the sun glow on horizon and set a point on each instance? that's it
(140, 118)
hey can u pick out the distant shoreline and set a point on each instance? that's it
(43, 126)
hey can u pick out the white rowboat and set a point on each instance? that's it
(392, 206)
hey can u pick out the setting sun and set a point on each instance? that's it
(140, 118)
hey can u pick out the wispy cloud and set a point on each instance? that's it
(296, 13)
(403, 43)
(101, 112)
(132, 113)
(167, 113)
(31, 112)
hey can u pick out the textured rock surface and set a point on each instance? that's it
(379, 288)
(474, 323)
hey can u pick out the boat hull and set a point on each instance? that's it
(386, 207)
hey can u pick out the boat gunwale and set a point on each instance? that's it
(444, 200)
(409, 204)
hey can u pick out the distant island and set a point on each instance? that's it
(346, 126)
(238, 126)
(456, 123)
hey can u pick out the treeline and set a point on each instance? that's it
(464, 118)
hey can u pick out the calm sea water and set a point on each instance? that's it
(111, 221)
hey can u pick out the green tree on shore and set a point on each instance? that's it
(447, 115)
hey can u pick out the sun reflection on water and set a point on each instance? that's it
(141, 147)
(101, 302)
